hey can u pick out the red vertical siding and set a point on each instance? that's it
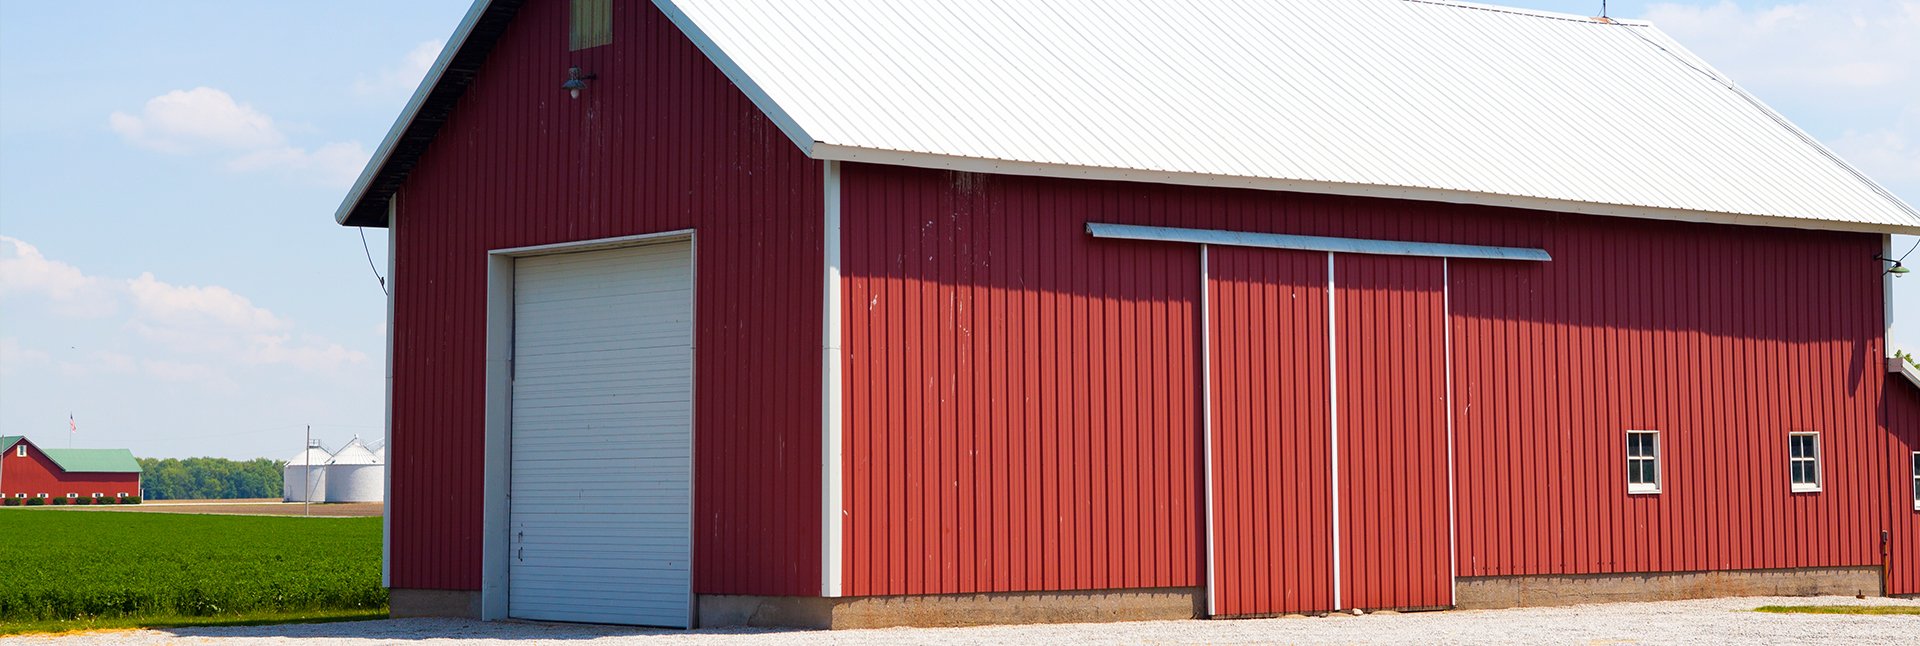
(1390, 335)
(1723, 338)
(1019, 403)
(1903, 423)
(1272, 475)
(36, 474)
(659, 142)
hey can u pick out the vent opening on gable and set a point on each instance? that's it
(590, 24)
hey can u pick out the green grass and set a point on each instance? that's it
(1842, 610)
(261, 618)
(67, 570)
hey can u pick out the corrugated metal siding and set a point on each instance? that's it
(1020, 403)
(1380, 93)
(1390, 339)
(1724, 338)
(1272, 480)
(659, 142)
(1903, 425)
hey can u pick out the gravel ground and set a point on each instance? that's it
(1710, 621)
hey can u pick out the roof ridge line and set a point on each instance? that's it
(1533, 13)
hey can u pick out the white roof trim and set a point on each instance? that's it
(828, 151)
(740, 78)
(1901, 367)
(1314, 243)
(407, 114)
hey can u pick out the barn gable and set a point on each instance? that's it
(1416, 99)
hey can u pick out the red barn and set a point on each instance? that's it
(28, 471)
(852, 313)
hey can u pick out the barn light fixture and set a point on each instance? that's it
(576, 81)
(1897, 269)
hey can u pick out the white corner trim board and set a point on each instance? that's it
(832, 418)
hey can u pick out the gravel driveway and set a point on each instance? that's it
(1711, 621)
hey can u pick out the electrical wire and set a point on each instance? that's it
(370, 265)
(1903, 257)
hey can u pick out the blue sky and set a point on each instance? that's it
(170, 274)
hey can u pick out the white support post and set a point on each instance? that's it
(832, 417)
(1206, 424)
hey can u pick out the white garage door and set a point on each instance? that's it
(601, 501)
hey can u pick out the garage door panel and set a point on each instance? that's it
(601, 490)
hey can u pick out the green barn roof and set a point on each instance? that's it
(7, 441)
(94, 460)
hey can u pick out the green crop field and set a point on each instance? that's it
(71, 568)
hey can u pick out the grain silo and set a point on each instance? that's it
(304, 479)
(355, 474)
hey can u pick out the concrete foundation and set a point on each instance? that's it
(1572, 589)
(1143, 604)
(1147, 604)
(433, 603)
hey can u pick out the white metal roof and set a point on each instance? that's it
(354, 453)
(313, 456)
(1398, 98)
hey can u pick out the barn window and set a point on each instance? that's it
(591, 24)
(20, 450)
(1643, 461)
(73, 495)
(1803, 460)
(1916, 480)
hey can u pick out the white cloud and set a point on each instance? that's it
(192, 306)
(1857, 47)
(24, 271)
(207, 120)
(335, 164)
(1833, 66)
(14, 356)
(215, 320)
(1889, 154)
(197, 119)
(218, 329)
(405, 76)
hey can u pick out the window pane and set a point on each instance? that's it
(1647, 471)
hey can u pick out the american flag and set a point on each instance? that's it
(72, 427)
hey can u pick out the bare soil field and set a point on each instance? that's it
(244, 507)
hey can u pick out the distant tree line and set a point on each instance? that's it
(209, 478)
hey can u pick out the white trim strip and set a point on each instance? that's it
(1314, 243)
(823, 150)
(386, 465)
(595, 245)
(1446, 319)
(1333, 425)
(832, 417)
(1206, 424)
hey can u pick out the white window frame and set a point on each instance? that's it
(72, 496)
(20, 450)
(1819, 474)
(41, 496)
(1916, 480)
(1644, 488)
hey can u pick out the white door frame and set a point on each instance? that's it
(498, 471)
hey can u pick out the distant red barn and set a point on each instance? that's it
(848, 313)
(29, 471)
